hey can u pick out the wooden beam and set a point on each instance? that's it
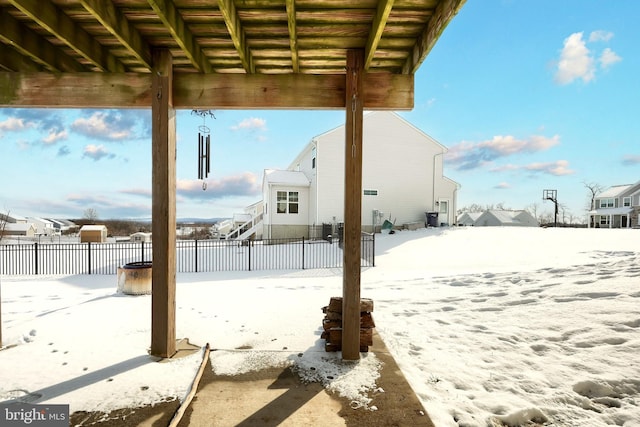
(117, 24)
(445, 12)
(352, 207)
(163, 214)
(52, 19)
(236, 32)
(33, 46)
(199, 91)
(170, 17)
(293, 34)
(377, 27)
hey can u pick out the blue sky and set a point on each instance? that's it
(526, 95)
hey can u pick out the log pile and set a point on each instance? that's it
(332, 324)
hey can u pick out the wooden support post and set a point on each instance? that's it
(163, 299)
(352, 207)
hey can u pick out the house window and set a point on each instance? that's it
(282, 202)
(287, 202)
(604, 219)
(444, 207)
(293, 202)
(370, 192)
(626, 202)
(606, 203)
(313, 158)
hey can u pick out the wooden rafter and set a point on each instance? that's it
(168, 14)
(49, 17)
(234, 26)
(11, 60)
(293, 36)
(34, 47)
(444, 13)
(116, 23)
(379, 22)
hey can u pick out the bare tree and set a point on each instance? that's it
(90, 214)
(533, 209)
(594, 190)
(471, 208)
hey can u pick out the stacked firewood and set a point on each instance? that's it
(332, 324)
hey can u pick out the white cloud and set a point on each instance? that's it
(608, 57)
(557, 168)
(600, 36)
(576, 61)
(251, 123)
(96, 152)
(469, 155)
(109, 126)
(13, 124)
(502, 186)
(54, 136)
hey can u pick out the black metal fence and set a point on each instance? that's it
(191, 256)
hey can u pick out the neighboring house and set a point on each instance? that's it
(402, 180)
(505, 218)
(12, 218)
(19, 229)
(93, 233)
(140, 237)
(617, 207)
(43, 226)
(468, 218)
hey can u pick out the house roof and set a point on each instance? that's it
(14, 217)
(221, 36)
(292, 178)
(93, 228)
(614, 191)
(471, 215)
(508, 216)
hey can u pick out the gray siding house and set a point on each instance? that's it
(616, 207)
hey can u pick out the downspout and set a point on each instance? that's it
(433, 190)
(455, 204)
(315, 172)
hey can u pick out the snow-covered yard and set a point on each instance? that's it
(515, 325)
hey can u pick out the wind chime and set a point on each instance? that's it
(204, 146)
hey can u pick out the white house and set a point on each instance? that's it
(468, 218)
(12, 218)
(43, 226)
(506, 218)
(140, 236)
(402, 181)
(617, 207)
(18, 229)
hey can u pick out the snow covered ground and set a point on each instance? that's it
(491, 326)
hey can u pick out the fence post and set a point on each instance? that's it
(89, 256)
(35, 258)
(249, 248)
(196, 254)
(142, 251)
(303, 252)
(373, 247)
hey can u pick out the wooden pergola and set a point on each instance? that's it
(221, 54)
